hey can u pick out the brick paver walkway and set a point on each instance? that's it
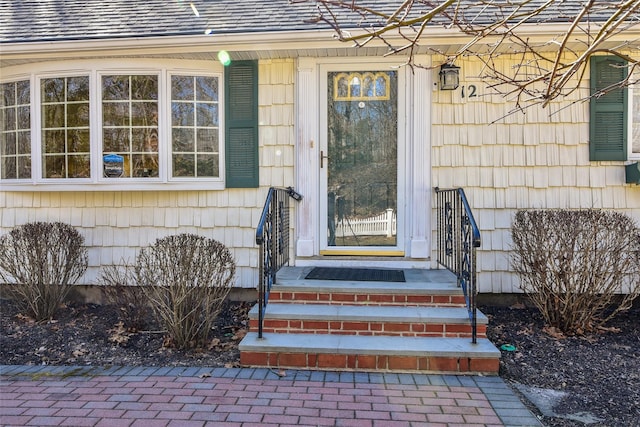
(137, 396)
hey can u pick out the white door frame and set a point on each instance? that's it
(414, 98)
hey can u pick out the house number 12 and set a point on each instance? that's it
(470, 92)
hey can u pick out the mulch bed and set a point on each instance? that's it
(599, 372)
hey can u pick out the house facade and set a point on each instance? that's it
(126, 121)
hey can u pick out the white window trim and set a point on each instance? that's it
(96, 69)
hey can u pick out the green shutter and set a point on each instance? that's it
(241, 124)
(608, 113)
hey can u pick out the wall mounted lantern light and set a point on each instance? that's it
(449, 77)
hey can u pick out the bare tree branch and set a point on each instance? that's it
(544, 72)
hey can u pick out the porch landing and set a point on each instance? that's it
(418, 325)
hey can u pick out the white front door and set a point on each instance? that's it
(361, 191)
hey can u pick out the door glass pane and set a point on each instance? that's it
(362, 158)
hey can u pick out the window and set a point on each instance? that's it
(130, 123)
(361, 87)
(96, 129)
(65, 127)
(615, 115)
(195, 146)
(15, 131)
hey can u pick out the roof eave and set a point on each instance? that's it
(298, 40)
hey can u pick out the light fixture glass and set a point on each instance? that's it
(449, 77)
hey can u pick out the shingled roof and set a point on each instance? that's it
(23, 21)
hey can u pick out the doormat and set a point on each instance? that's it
(356, 274)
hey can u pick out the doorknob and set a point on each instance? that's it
(322, 157)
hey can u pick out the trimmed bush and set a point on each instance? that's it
(186, 278)
(121, 291)
(43, 260)
(574, 264)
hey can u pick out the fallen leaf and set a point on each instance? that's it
(554, 332)
(239, 334)
(214, 343)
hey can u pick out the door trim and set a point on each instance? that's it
(417, 94)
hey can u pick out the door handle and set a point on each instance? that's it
(322, 157)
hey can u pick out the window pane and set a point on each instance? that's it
(78, 141)
(54, 167)
(53, 116)
(207, 114)
(144, 114)
(53, 141)
(24, 167)
(208, 140)
(115, 88)
(144, 139)
(144, 87)
(144, 165)
(79, 166)
(77, 89)
(207, 165)
(23, 119)
(182, 114)
(78, 115)
(115, 114)
(65, 127)
(8, 95)
(8, 145)
(195, 126)
(23, 89)
(15, 130)
(207, 89)
(115, 140)
(182, 88)
(8, 167)
(184, 165)
(53, 90)
(183, 140)
(24, 142)
(9, 119)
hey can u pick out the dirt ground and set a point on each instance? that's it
(597, 377)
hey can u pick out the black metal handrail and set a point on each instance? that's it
(272, 237)
(458, 237)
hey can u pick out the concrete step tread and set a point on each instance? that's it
(356, 344)
(368, 313)
(418, 281)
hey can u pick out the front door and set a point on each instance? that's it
(359, 163)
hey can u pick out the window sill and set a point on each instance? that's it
(128, 186)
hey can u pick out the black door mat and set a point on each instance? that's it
(356, 274)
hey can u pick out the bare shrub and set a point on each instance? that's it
(573, 265)
(121, 290)
(43, 260)
(186, 279)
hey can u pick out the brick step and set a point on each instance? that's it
(369, 353)
(367, 320)
(435, 288)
